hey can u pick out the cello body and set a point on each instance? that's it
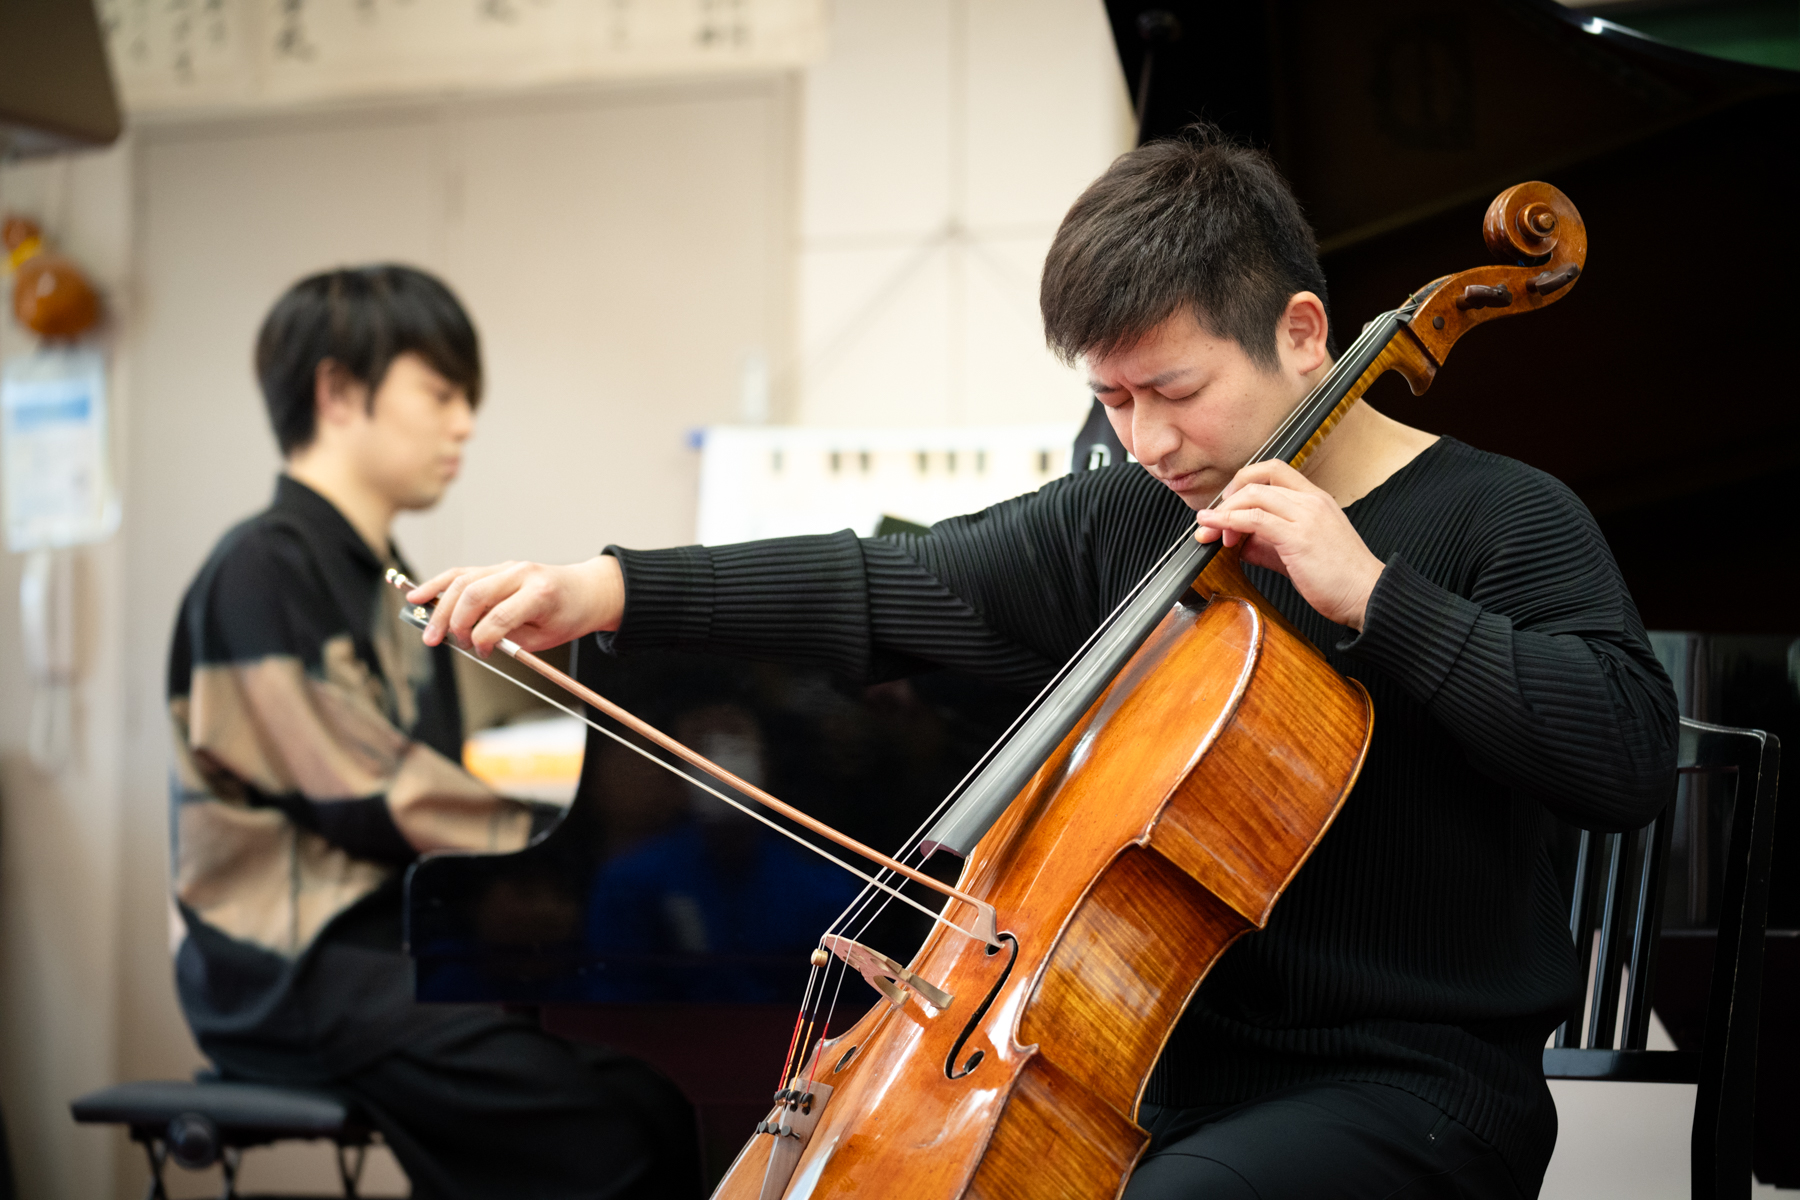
(1162, 829)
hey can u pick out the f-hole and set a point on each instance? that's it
(951, 1070)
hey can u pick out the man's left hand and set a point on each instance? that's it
(1288, 524)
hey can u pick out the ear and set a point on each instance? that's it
(337, 396)
(1303, 333)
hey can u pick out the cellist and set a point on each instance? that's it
(1382, 1036)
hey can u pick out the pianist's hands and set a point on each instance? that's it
(535, 605)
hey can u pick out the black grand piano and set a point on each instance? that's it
(656, 919)
(1661, 392)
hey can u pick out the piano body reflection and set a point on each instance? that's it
(655, 918)
(648, 920)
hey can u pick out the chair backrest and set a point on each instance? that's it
(1615, 919)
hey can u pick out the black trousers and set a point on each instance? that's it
(483, 1105)
(1358, 1141)
(508, 1112)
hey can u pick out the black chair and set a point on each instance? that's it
(212, 1121)
(1618, 894)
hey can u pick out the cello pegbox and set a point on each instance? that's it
(1538, 236)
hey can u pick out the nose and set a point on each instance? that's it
(462, 420)
(1153, 436)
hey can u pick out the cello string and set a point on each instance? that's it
(793, 1040)
(831, 1009)
(1313, 408)
(810, 1009)
(807, 1004)
(803, 1020)
(868, 880)
(802, 1024)
(809, 1019)
(1312, 411)
(866, 896)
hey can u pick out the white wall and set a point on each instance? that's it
(944, 140)
(621, 253)
(61, 833)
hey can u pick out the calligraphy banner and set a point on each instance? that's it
(196, 56)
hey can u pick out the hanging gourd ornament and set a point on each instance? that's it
(51, 297)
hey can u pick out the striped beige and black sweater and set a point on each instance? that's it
(317, 746)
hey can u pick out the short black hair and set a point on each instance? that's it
(362, 319)
(1196, 221)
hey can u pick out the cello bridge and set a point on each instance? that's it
(887, 976)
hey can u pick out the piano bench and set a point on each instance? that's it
(211, 1121)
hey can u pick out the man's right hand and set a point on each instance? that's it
(535, 605)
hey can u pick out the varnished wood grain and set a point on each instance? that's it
(1123, 969)
(744, 1180)
(1056, 1141)
(1402, 354)
(1246, 818)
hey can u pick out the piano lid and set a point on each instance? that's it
(1656, 391)
(1383, 113)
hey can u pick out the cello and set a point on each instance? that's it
(1146, 811)
(1131, 827)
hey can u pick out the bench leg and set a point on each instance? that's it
(158, 1154)
(229, 1158)
(350, 1161)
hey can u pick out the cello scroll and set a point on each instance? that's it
(1541, 241)
(1539, 235)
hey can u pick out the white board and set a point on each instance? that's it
(779, 481)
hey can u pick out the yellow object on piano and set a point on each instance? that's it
(531, 760)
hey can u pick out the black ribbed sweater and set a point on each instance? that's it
(1425, 945)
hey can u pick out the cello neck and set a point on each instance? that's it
(1370, 356)
(1003, 773)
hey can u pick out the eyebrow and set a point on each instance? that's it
(1168, 376)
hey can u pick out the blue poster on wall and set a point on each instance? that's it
(54, 456)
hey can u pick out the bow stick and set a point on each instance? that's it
(985, 926)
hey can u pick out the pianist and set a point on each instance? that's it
(317, 746)
(1382, 1036)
